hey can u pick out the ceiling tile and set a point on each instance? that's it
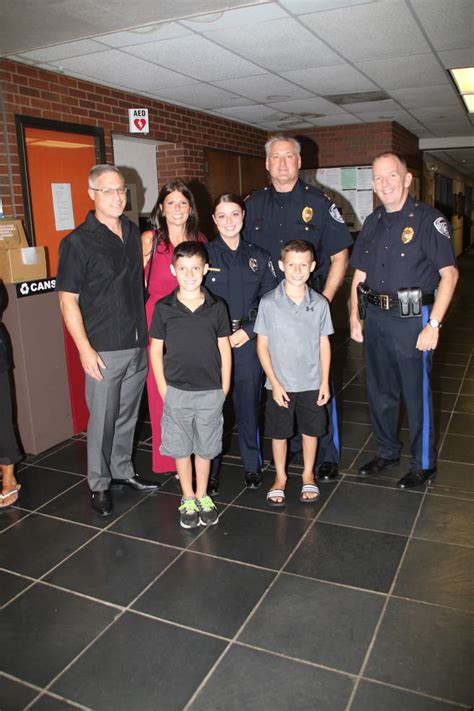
(61, 51)
(280, 45)
(301, 7)
(264, 88)
(122, 69)
(145, 33)
(253, 113)
(372, 106)
(199, 59)
(457, 58)
(449, 25)
(236, 18)
(441, 95)
(338, 79)
(203, 96)
(405, 72)
(369, 31)
(314, 105)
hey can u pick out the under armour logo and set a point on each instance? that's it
(310, 308)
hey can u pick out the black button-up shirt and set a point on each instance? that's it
(403, 249)
(107, 273)
(273, 218)
(240, 277)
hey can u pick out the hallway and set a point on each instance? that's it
(362, 602)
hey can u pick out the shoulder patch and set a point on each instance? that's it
(335, 214)
(442, 226)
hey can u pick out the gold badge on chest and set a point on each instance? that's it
(307, 214)
(407, 235)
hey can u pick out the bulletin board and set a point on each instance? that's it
(349, 187)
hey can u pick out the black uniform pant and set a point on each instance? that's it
(247, 387)
(396, 370)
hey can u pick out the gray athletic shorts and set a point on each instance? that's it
(192, 423)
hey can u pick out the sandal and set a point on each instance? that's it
(309, 489)
(272, 495)
(3, 497)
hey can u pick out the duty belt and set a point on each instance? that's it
(236, 323)
(402, 300)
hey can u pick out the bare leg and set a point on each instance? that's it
(310, 445)
(9, 485)
(279, 448)
(184, 469)
(203, 467)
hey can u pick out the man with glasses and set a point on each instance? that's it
(100, 285)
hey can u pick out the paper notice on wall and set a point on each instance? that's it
(364, 178)
(365, 204)
(62, 206)
(348, 178)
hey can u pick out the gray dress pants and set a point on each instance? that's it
(113, 411)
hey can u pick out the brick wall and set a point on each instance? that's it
(358, 144)
(35, 92)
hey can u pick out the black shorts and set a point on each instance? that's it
(311, 418)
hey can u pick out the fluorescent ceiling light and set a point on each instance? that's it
(464, 80)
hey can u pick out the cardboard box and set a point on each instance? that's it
(24, 264)
(12, 234)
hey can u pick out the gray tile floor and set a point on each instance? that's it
(362, 602)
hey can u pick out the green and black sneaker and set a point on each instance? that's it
(208, 515)
(189, 513)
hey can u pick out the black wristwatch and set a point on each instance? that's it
(434, 323)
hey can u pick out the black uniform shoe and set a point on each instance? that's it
(416, 477)
(101, 501)
(377, 466)
(213, 486)
(135, 483)
(253, 480)
(328, 471)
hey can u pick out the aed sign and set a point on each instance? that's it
(31, 288)
(138, 121)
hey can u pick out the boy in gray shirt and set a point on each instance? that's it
(293, 326)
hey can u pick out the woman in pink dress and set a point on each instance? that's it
(173, 220)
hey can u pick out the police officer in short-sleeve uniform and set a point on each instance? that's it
(241, 275)
(406, 269)
(291, 209)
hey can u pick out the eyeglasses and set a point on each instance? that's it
(108, 192)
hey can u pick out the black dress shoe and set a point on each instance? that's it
(135, 483)
(213, 486)
(416, 477)
(253, 480)
(377, 465)
(328, 470)
(101, 501)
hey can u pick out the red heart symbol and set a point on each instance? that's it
(139, 123)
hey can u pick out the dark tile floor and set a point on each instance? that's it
(362, 602)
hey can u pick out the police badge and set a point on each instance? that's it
(253, 264)
(407, 235)
(307, 214)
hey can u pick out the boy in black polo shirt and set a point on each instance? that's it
(191, 359)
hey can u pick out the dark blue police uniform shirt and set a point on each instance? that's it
(404, 249)
(241, 278)
(273, 218)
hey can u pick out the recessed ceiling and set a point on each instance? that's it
(271, 64)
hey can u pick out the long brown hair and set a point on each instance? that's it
(157, 219)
